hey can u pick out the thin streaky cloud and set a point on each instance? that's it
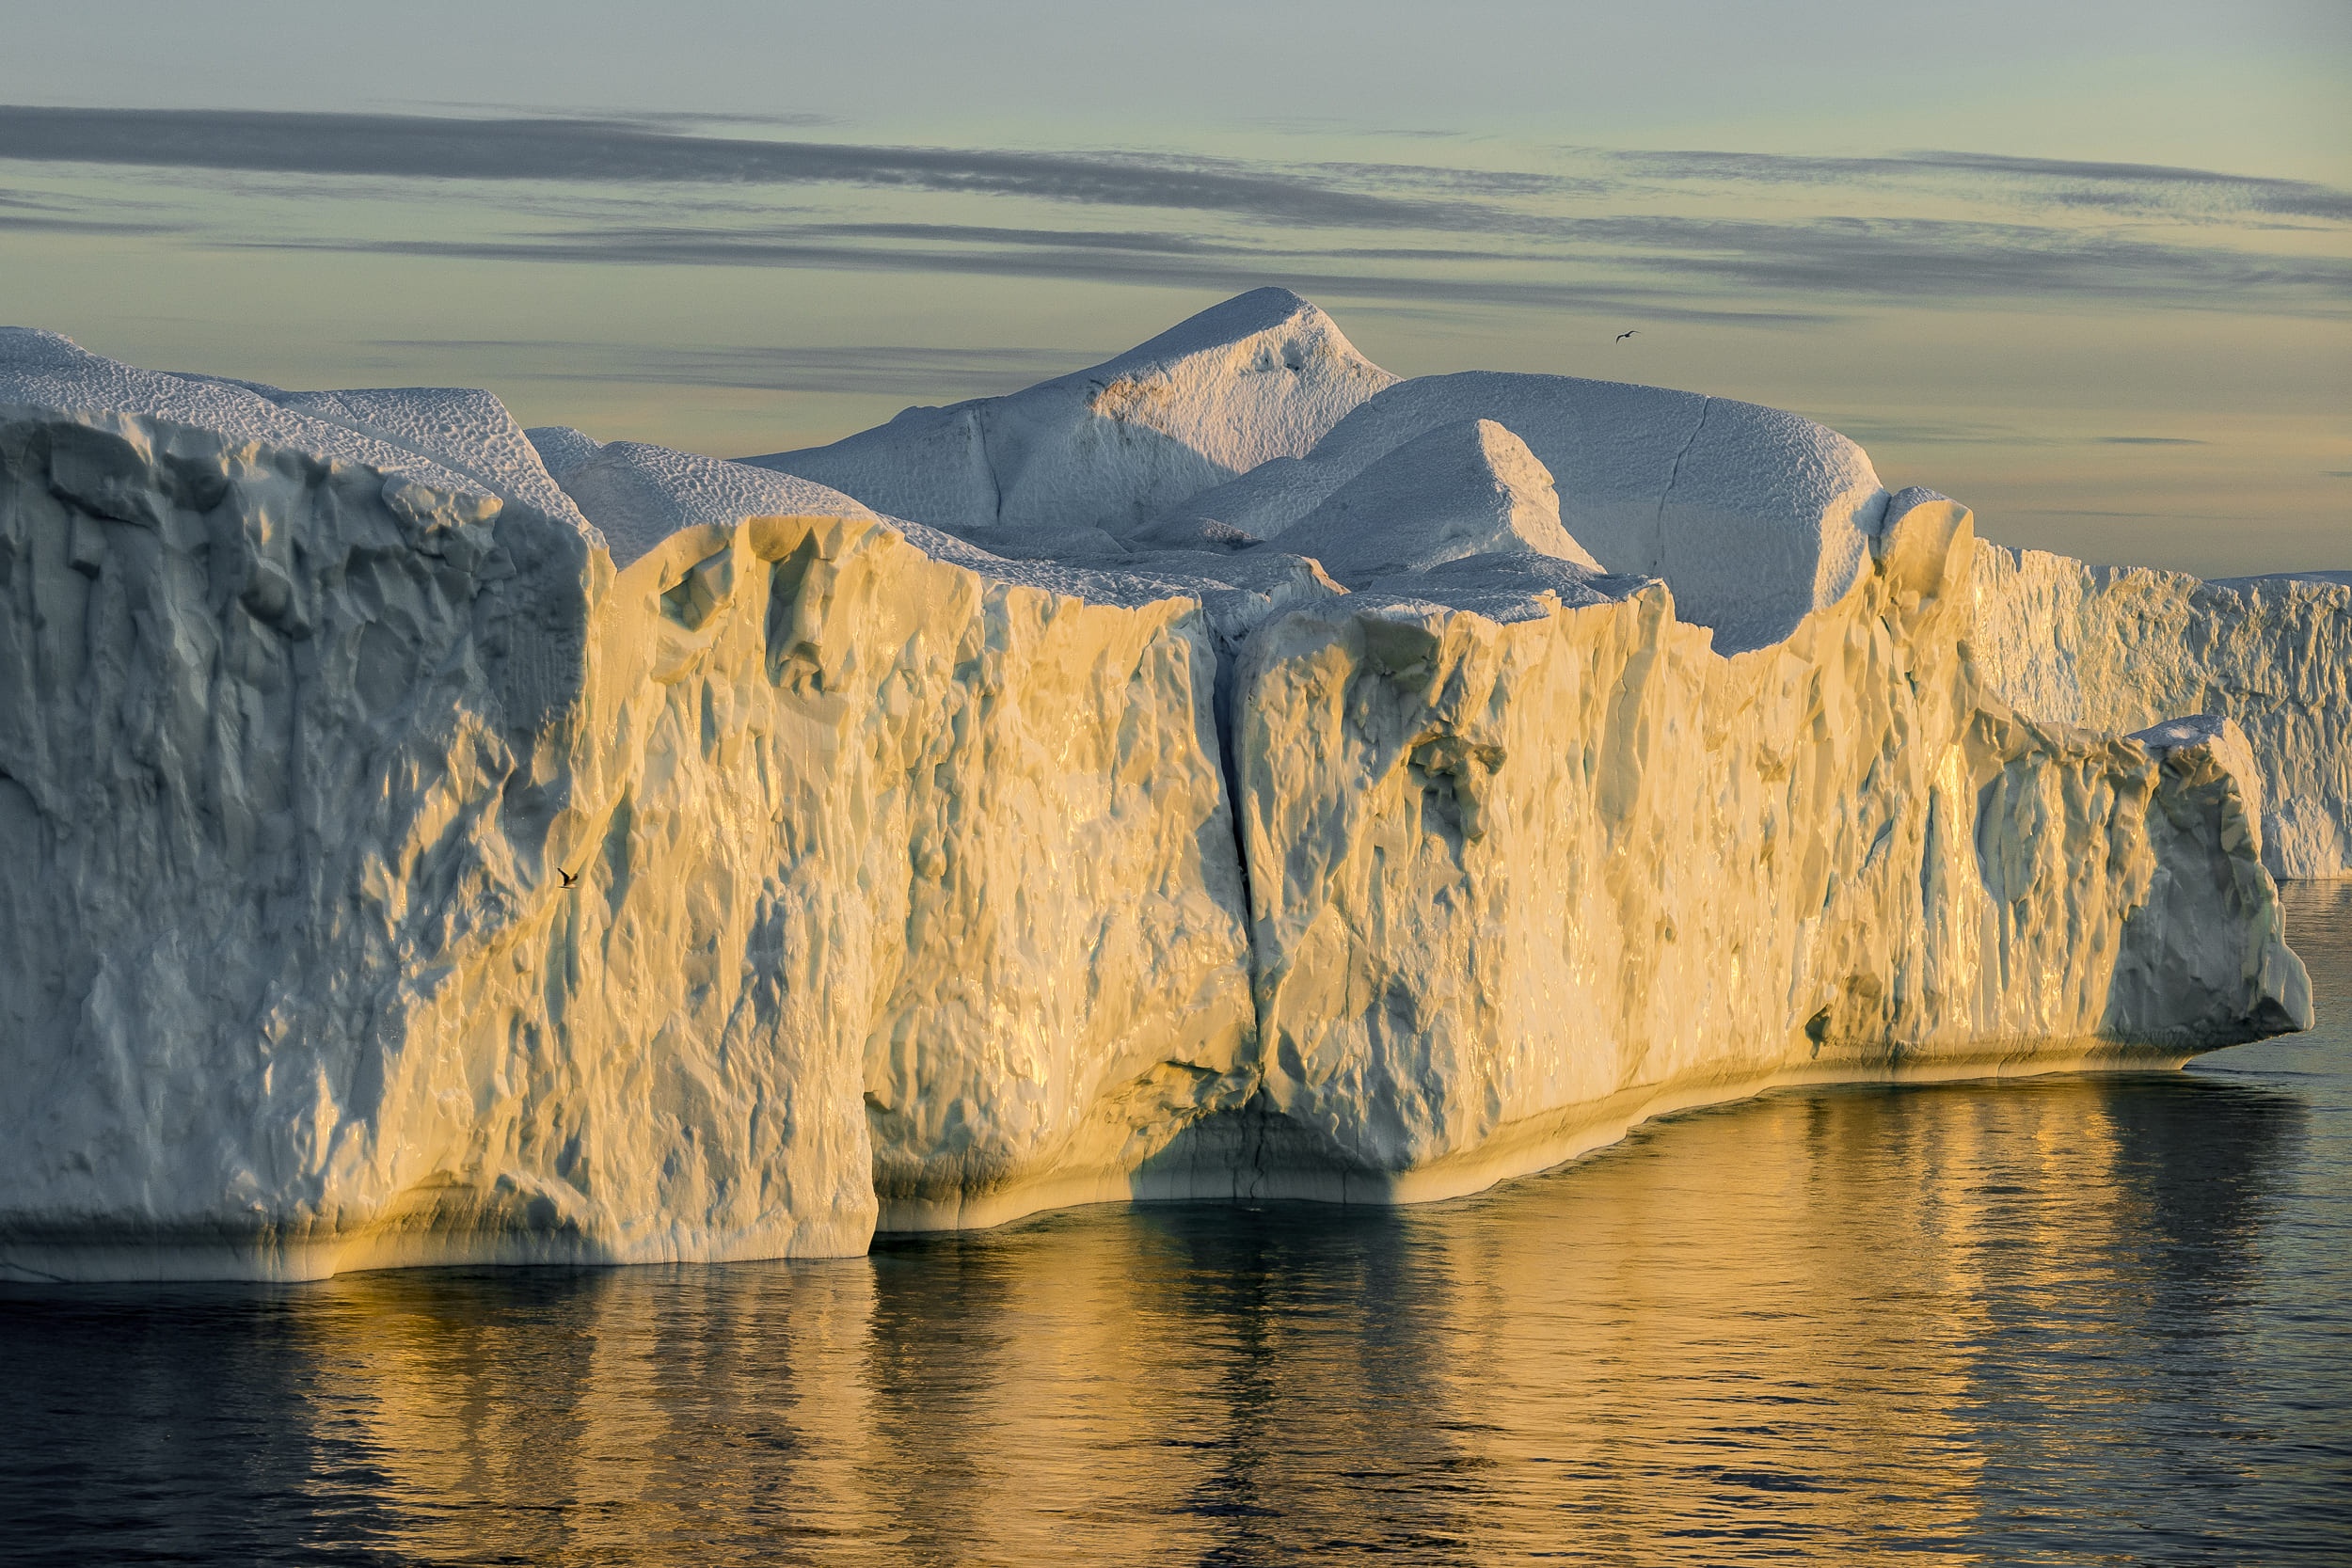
(610, 152)
(78, 204)
(682, 117)
(1931, 260)
(1946, 433)
(44, 225)
(643, 148)
(1149, 242)
(1707, 233)
(970, 234)
(622, 116)
(1856, 248)
(2146, 441)
(1486, 182)
(649, 148)
(2096, 183)
(2261, 192)
(1851, 259)
(695, 249)
(1423, 253)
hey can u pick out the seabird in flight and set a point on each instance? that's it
(568, 877)
(1628, 333)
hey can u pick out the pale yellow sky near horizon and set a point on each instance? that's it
(1897, 225)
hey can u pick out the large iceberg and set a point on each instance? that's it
(1231, 772)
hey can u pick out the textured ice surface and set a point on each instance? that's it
(2116, 648)
(639, 495)
(448, 447)
(1753, 516)
(1262, 375)
(431, 842)
(1466, 489)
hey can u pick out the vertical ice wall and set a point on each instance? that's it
(2116, 648)
(885, 874)
(1522, 874)
(283, 734)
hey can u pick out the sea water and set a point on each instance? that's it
(2081, 1319)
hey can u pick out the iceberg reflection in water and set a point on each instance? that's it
(2064, 1319)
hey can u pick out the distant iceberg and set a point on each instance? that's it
(2116, 648)
(1229, 771)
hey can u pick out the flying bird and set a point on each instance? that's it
(568, 877)
(1628, 333)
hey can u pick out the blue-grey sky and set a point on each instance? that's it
(2086, 265)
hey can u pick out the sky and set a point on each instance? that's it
(2086, 265)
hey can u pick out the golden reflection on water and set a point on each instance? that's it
(1779, 1324)
(2044, 1321)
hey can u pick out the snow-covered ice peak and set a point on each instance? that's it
(1242, 422)
(1264, 374)
(1260, 376)
(1471, 488)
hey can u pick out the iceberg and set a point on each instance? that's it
(1231, 772)
(2119, 648)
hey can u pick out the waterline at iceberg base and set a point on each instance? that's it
(435, 842)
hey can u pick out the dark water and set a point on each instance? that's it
(2079, 1320)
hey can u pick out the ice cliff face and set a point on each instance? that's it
(1519, 877)
(2116, 648)
(438, 843)
(873, 854)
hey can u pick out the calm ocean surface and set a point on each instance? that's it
(2072, 1319)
